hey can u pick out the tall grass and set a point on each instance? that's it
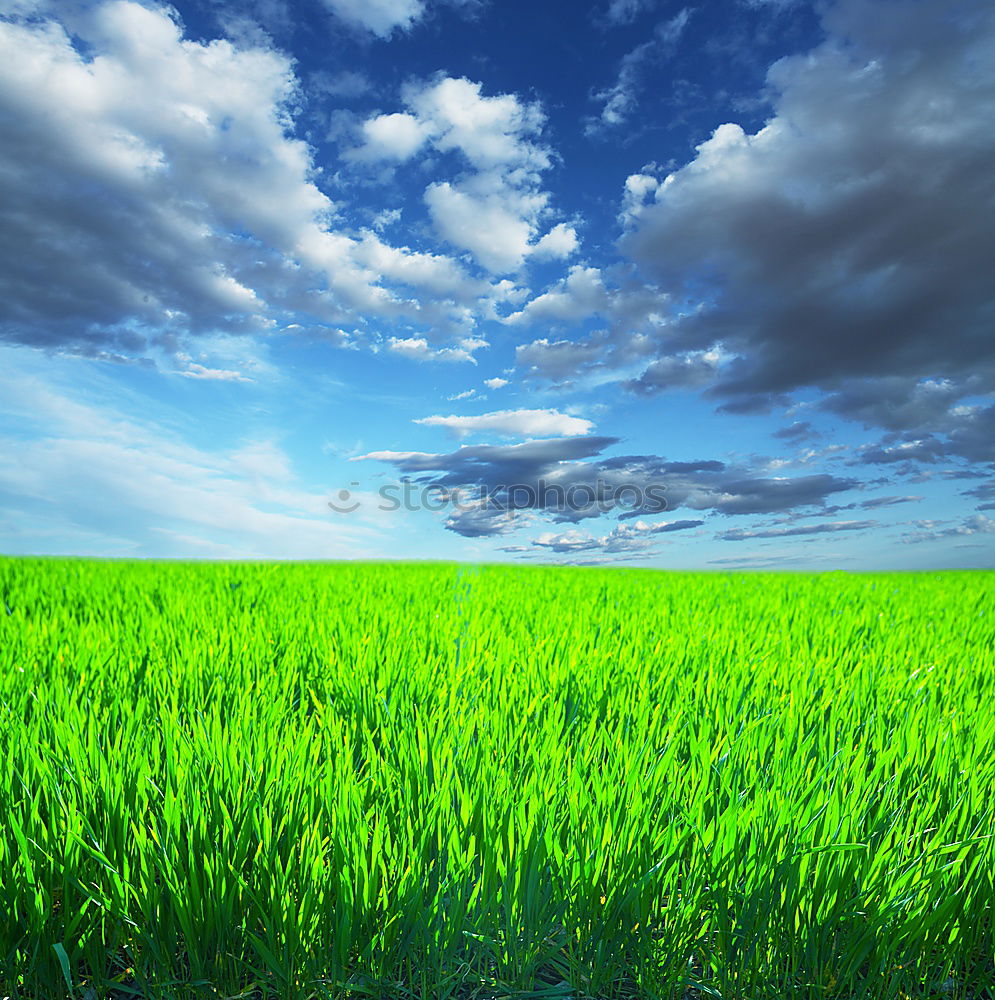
(423, 781)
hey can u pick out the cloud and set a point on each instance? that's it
(626, 11)
(928, 450)
(798, 431)
(495, 226)
(381, 17)
(568, 480)
(619, 101)
(495, 206)
(435, 273)
(559, 243)
(828, 527)
(983, 492)
(513, 423)
(154, 189)
(580, 294)
(391, 137)
(637, 537)
(419, 349)
(874, 503)
(976, 524)
(495, 383)
(198, 371)
(690, 370)
(849, 238)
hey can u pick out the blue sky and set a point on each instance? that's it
(264, 263)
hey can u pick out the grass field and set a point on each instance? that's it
(297, 781)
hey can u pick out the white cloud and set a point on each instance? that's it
(578, 295)
(499, 131)
(391, 137)
(513, 423)
(495, 228)
(419, 349)
(202, 212)
(435, 273)
(494, 207)
(381, 17)
(560, 242)
(198, 371)
(638, 187)
(495, 383)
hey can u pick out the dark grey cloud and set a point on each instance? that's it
(873, 503)
(851, 238)
(877, 502)
(800, 430)
(826, 528)
(966, 433)
(688, 371)
(984, 492)
(568, 481)
(767, 495)
(930, 419)
(846, 246)
(895, 450)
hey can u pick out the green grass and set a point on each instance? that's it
(425, 781)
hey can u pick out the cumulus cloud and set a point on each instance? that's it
(495, 383)
(495, 206)
(419, 349)
(154, 188)
(581, 293)
(513, 423)
(391, 137)
(849, 238)
(558, 244)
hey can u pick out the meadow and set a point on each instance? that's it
(432, 781)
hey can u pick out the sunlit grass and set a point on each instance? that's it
(426, 781)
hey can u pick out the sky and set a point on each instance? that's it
(690, 285)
